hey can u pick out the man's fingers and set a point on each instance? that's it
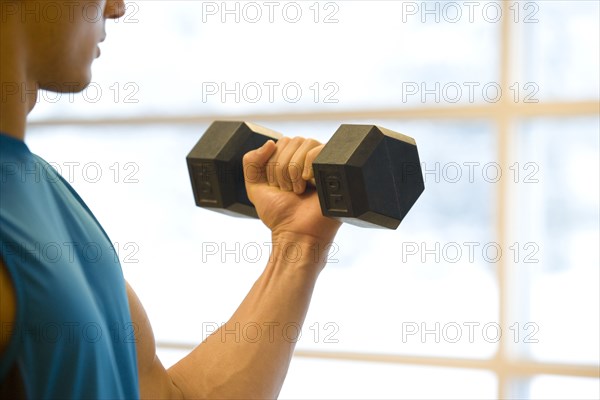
(273, 161)
(311, 155)
(286, 164)
(284, 172)
(297, 165)
(255, 163)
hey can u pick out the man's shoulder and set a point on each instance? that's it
(28, 186)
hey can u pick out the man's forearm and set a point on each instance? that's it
(229, 364)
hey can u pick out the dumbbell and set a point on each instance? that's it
(365, 175)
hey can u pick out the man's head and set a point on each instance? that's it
(57, 40)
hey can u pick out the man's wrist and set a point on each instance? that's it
(300, 251)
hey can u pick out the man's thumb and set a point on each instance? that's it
(254, 163)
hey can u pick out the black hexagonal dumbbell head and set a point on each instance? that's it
(215, 166)
(368, 176)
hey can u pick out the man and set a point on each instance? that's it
(68, 295)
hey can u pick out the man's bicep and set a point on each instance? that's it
(154, 380)
(8, 305)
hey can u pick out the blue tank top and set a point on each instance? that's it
(72, 336)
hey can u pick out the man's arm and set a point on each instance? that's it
(8, 306)
(230, 365)
(154, 381)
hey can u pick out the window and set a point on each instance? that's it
(489, 288)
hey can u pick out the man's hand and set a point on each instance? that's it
(276, 181)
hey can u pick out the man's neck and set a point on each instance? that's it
(13, 113)
(18, 93)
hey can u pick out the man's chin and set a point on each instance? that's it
(74, 85)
